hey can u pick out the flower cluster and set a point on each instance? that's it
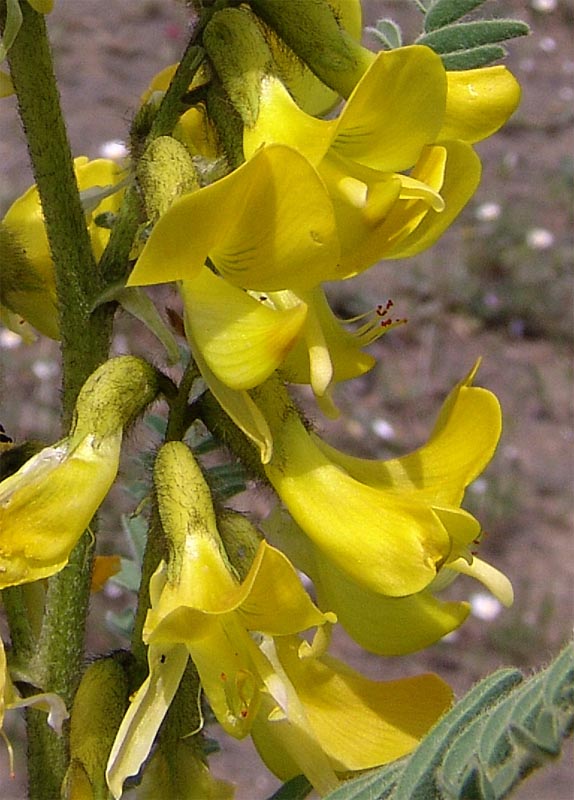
(250, 215)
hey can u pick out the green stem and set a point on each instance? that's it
(226, 431)
(155, 550)
(85, 343)
(178, 418)
(146, 127)
(177, 425)
(85, 336)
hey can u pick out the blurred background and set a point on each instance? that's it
(498, 285)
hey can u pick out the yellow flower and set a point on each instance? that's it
(48, 503)
(28, 286)
(359, 723)
(251, 225)
(199, 609)
(378, 611)
(273, 684)
(395, 120)
(244, 337)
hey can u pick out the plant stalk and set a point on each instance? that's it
(85, 344)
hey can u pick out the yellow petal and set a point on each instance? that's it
(494, 580)
(362, 205)
(197, 133)
(101, 172)
(238, 405)
(25, 220)
(46, 506)
(385, 542)
(344, 347)
(478, 103)
(394, 111)
(281, 121)
(388, 626)
(462, 443)
(272, 598)
(461, 178)
(224, 661)
(241, 340)
(252, 224)
(387, 719)
(149, 706)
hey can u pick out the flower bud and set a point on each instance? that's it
(48, 503)
(98, 709)
(165, 172)
(236, 46)
(185, 508)
(113, 396)
(313, 31)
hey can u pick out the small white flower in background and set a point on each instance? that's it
(547, 44)
(527, 64)
(488, 212)
(120, 344)
(484, 606)
(492, 300)
(383, 429)
(9, 340)
(45, 369)
(479, 486)
(544, 6)
(539, 239)
(114, 149)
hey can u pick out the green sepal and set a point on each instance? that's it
(98, 709)
(240, 56)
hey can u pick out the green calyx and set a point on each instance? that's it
(184, 502)
(113, 396)
(312, 29)
(240, 56)
(240, 538)
(99, 706)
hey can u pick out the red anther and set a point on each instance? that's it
(223, 676)
(384, 309)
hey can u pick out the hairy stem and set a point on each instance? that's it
(85, 343)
